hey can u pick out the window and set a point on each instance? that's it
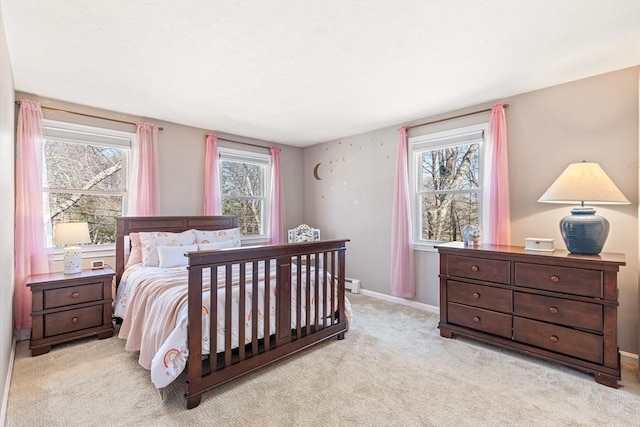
(447, 183)
(85, 178)
(244, 188)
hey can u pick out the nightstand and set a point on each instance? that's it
(67, 307)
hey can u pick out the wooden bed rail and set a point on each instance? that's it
(313, 271)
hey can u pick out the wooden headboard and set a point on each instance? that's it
(174, 224)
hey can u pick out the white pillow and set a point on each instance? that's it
(151, 241)
(216, 245)
(173, 256)
(233, 234)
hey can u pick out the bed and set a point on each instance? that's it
(288, 297)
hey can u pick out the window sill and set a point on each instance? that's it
(426, 247)
(88, 252)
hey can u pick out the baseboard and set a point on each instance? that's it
(7, 385)
(625, 357)
(402, 301)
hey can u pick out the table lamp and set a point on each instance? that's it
(72, 234)
(583, 231)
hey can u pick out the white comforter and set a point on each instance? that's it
(152, 303)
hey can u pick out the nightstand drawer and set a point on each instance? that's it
(479, 296)
(480, 319)
(567, 280)
(577, 314)
(477, 268)
(568, 341)
(73, 295)
(72, 320)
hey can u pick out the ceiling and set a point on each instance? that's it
(304, 72)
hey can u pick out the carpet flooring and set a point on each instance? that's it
(393, 369)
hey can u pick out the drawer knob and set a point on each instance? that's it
(555, 279)
(553, 310)
(476, 295)
(475, 268)
(75, 295)
(476, 319)
(554, 338)
(74, 320)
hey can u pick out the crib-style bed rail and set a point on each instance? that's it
(309, 293)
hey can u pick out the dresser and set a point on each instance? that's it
(65, 307)
(553, 305)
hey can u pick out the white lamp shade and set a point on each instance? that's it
(584, 182)
(72, 233)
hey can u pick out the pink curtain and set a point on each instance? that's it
(212, 199)
(496, 212)
(145, 191)
(277, 199)
(403, 282)
(30, 254)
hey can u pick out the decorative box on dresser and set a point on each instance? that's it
(66, 307)
(555, 305)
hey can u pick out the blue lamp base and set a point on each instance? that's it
(584, 232)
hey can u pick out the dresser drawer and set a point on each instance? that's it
(72, 295)
(566, 280)
(477, 268)
(496, 299)
(480, 319)
(577, 314)
(72, 320)
(568, 341)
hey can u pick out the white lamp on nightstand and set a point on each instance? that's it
(72, 234)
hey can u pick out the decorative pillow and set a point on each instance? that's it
(151, 241)
(173, 256)
(216, 245)
(232, 234)
(135, 256)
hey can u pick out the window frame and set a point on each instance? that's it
(95, 136)
(438, 140)
(233, 154)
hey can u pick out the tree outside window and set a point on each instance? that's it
(447, 184)
(84, 181)
(244, 190)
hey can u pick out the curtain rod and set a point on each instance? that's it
(454, 117)
(244, 143)
(88, 115)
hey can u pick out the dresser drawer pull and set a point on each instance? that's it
(554, 338)
(74, 320)
(555, 279)
(476, 295)
(75, 295)
(553, 310)
(476, 319)
(475, 268)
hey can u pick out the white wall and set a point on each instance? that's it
(594, 119)
(7, 154)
